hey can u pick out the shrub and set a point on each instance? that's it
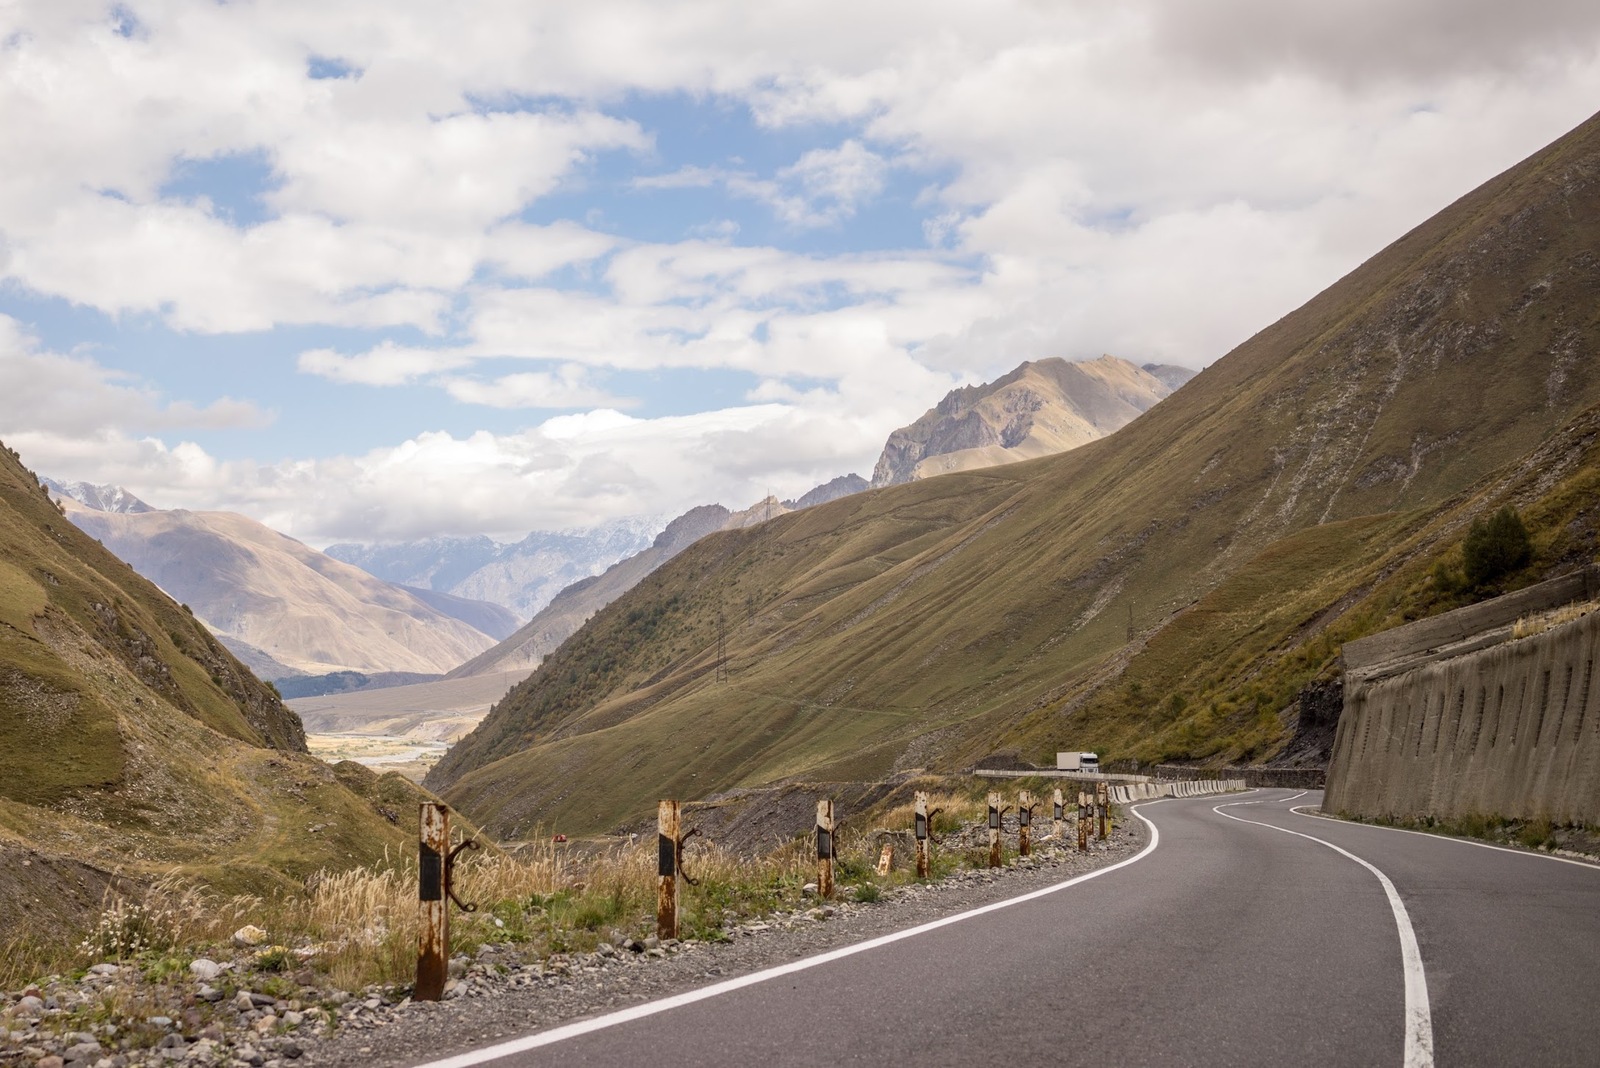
(1495, 548)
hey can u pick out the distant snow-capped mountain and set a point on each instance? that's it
(522, 576)
(100, 498)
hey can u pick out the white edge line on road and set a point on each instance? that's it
(650, 1008)
(1303, 811)
(1419, 1017)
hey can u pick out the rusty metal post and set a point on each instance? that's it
(825, 851)
(1057, 814)
(1084, 819)
(994, 830)
(433, 935)
(1102, 796)
(922, 830)
(1025, 824)
(667, 869)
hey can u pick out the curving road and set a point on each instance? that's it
(1247, 933)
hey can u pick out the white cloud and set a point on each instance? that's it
(1157, 179)
(567, 387)
(68, 396)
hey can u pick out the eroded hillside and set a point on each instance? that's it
(926, 624)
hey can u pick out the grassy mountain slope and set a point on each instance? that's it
(928, 623)
(300, 607)
(130, 740)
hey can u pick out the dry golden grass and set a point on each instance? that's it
(1528, 626)
(360, 926)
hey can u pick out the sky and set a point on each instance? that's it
(384, 271)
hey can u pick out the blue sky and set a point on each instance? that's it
(374, 272)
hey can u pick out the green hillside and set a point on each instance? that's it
(131, 740)
(1160, 593)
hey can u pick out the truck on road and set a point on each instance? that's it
(1089, 762)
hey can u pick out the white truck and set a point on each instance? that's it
(1089, 762)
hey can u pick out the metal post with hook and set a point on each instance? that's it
(1025, 807)
(826, 830)
(996, 810)
(669, 867)
(1084, 819)
(436, 863)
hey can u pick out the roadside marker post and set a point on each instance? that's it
(1102, 794)
(886, 858)
(1025, 807)
(996, 810)
(825, 849)
(922, 828)
(669, 866)
(1084, 819)
(436, 863)
(1057, 814)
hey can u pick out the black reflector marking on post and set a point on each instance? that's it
(922, 826)
(666, 855)
(994, 818)
(824, 844)
(1025, 818)
(430, 872)
(1058, 810)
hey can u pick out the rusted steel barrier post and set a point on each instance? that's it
(1084, 819)
(436, 863)
(825, 852)
(1025, 824)
(923, 831)
(1057, 814)
(433, 936)
(996, 810)
(1102, 794)
(667, 844)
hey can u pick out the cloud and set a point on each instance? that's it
(68, 396)
(568, 387)
(386, 365)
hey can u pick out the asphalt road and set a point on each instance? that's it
(1225, 943)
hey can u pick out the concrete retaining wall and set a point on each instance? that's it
(1512, 729)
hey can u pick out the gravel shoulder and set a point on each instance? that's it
(499, 1000)
(210, 1015)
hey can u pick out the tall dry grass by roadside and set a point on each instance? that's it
(359, 927)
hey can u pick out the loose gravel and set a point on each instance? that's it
(490, 998)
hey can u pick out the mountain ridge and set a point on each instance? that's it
(924, 623)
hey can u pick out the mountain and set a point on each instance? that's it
(572, 606)
(521, 577)
(99, 498)
(1166, 592)
(280, 599)
(132, 744)
(832, 490)
(1041, 408)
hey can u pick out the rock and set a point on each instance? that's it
(373, 1003)
(159, 1021)
(82, 1050)
(291, 1050)
(262, 1001)
(249, 936)
(809, 888)
(30, 1006)
(79, 1038)
(605, 949)
(208, 992)
(457, 967)
(171, 1042)
(104, 969)
(652, 942)
(203, 968)
(243, 1002)
(49, 1062)
(292, 1019)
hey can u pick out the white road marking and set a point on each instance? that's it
(1301, 811)
(1419, 1017)
(650, 1008)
